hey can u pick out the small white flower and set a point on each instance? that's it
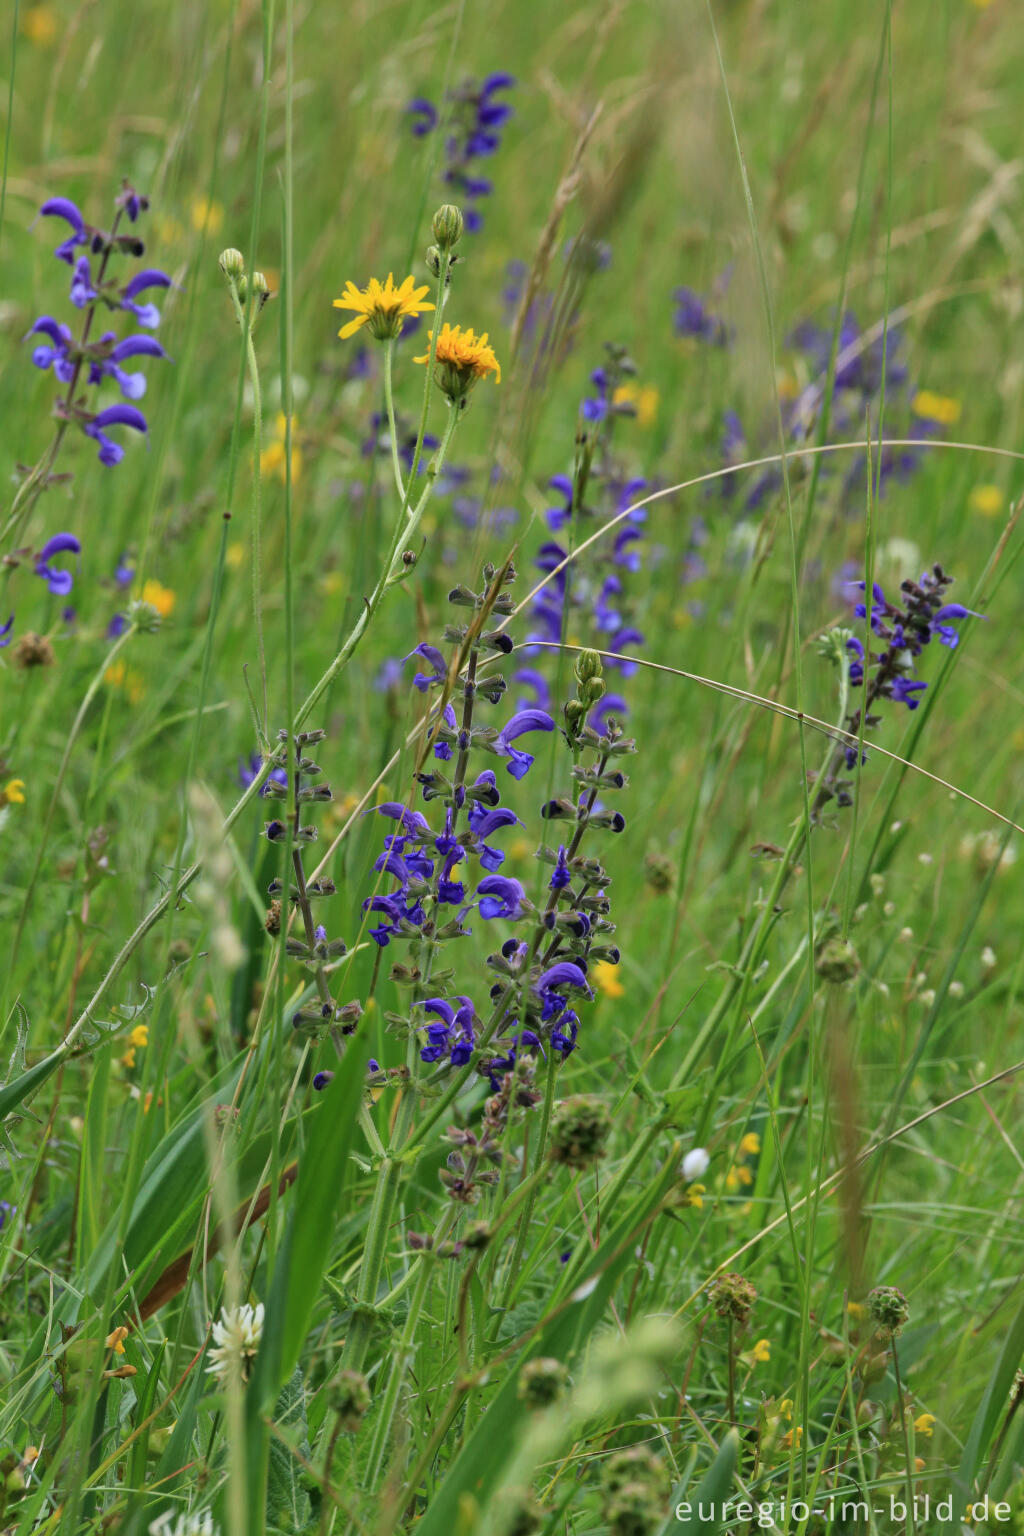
(956, 989)
(889, 909)
(877, 884)
(988, 958)
(906, 934)
(927, 997)
(236, 1338)
(925, 858)
(695, 1164)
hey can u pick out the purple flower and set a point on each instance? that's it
(146, 314)
(501, 897)
(433, 656)
(5, 632)
(114, 416)
(693, 318)
(63, 208)
(82, 290)
(557, 517)
(522, 724)
(59, 582)
(247, 771)
(424, 116)
(131, 385)
(56, 355)
(561, 876)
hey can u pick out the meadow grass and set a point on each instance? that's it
(652, 1294)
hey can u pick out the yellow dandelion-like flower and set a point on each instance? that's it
(207, 214)
(750, 1145)
(462, 359)
(382, 306)
(606, 976)
(159, 597)
(941, 408)
(762, 1351)
(140, 1035)
(273, 458)
(39, 25)
(14, 792)
(644, 399)
(986, 500)
(923, 1423)
(695, 1195)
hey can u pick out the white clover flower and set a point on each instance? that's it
(236, 1338)
(185, 1525)
(695, 1164)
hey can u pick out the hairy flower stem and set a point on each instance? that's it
(404, 1352)
(246, 318)
(389, 400)
(364, 1314)
(395, 571)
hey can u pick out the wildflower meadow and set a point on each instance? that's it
(512, 998)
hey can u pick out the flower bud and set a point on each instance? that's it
(433, 260)
(542, 1382)
(580, 1129)
(888, 1309)
(232, 262)
(732, 1296)
(350, 1398)
(588, 665)
(837, 960)
(447, 226)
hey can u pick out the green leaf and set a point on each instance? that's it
(481, 1465)
(710, 1494)
(288, 1506)
(993, 1406)
(12, 1094)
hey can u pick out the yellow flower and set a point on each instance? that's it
(987, 500)
(118, 676)
(786, 1408)
(31, 1454)
(140, 1035)
(39, 25)
(732, 1181)
(856, 1310)
(696, 1193)
(382, 306)
(14, 792)
(235, 554)
(923, 1423)
(159, 597)
(792, 1438)
(750, 1146)
(762, 1351)
(941, 408)
(114, 1340)
(207, 215)
(520, 849)
(745, 1176)
(644, 399)
(128, 1059)
(273, 458)
(332, 583)
(115, 674)
(462, 359)
(607, 978)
